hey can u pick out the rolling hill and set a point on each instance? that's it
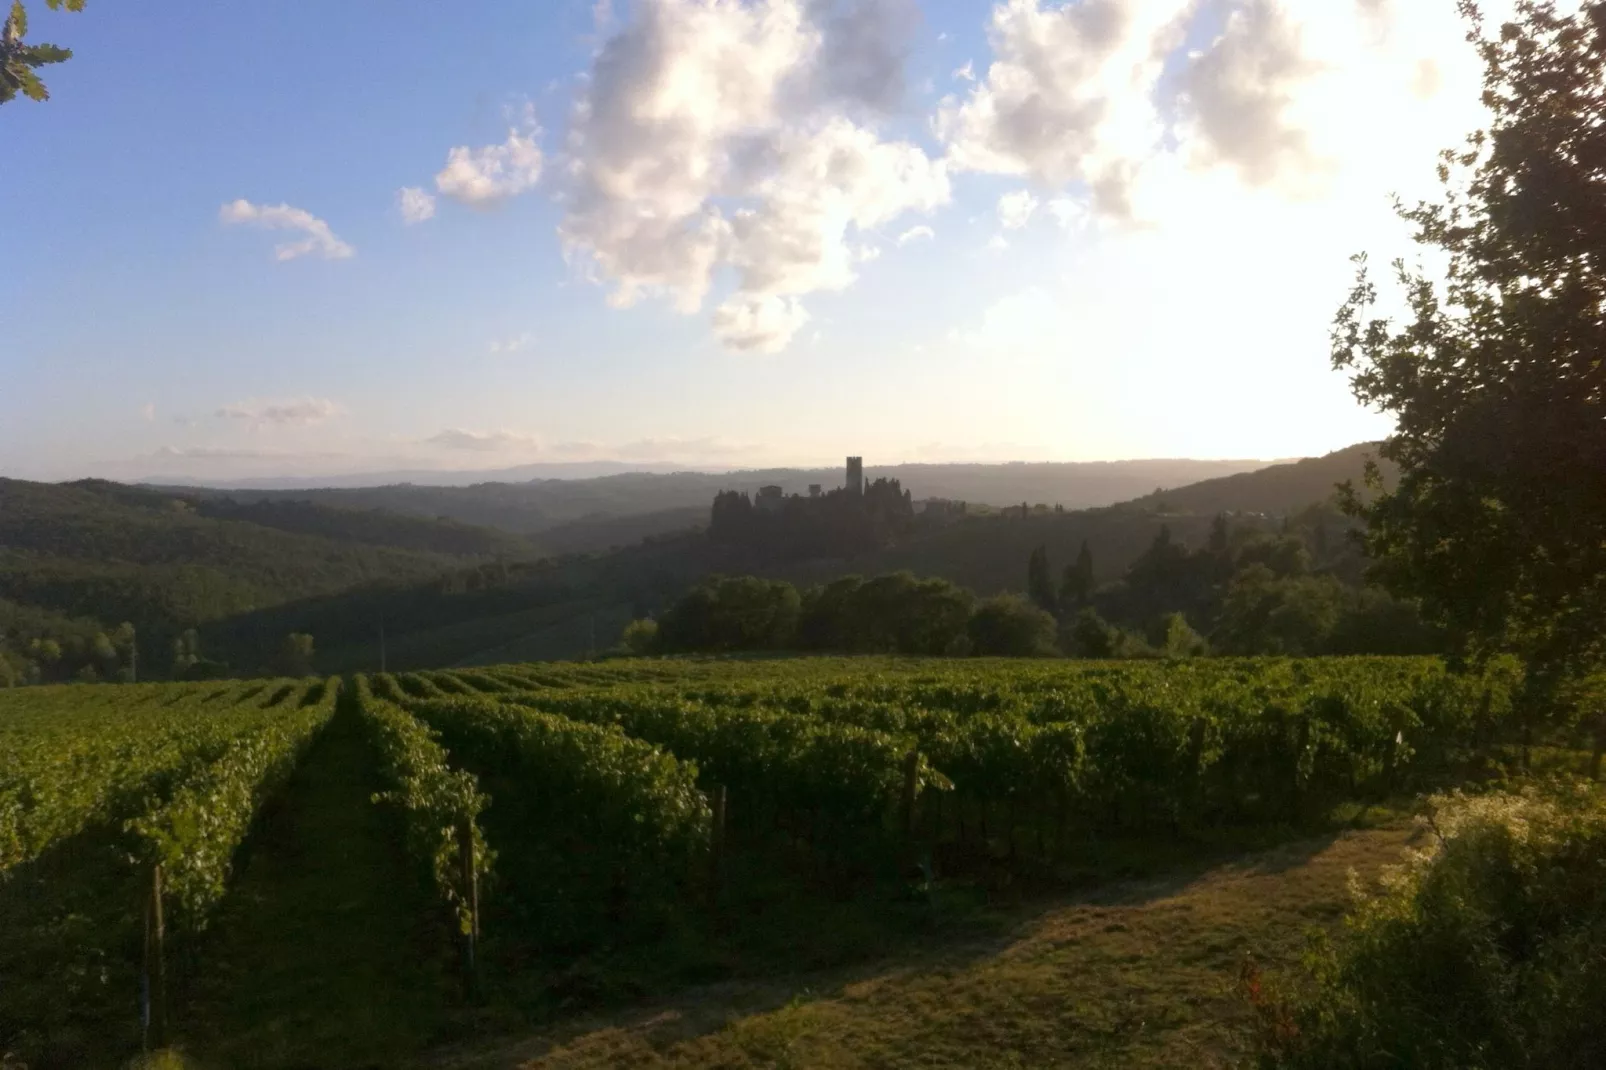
(1276, 490)
(350, 566)
(541, 505)
(111, 553)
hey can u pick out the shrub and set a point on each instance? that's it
(1010, 626)
(1486, 950)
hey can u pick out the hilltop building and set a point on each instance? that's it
(855, 482)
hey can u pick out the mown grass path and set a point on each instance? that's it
(329, 951)
(1140, 974)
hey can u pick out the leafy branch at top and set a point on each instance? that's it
(18, 60)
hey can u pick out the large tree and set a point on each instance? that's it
(1498, 519)
(20, 61)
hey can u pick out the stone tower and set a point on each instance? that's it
(855, 475)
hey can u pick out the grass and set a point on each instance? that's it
(329, 950)
(1139, 973)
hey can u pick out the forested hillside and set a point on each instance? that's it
(80, 560)
(368, 584)
(1278, 489)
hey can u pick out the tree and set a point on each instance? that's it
(640, 636)
(1076, 587)
(1010, 626)
(295, 655)
(1092, 636)
(1496, 518)
(18, 61)
(732, 613)
(1040, 581)
(1177, 639)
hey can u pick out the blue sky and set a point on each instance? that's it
(1146, 268)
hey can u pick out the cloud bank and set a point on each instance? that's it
(283, 413)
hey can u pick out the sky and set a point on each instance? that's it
(302, 239)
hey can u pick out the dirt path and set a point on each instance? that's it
(1136, 975)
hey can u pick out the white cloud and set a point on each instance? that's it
(916, 233)
(297, 412)
(967, 73)
(487, 176)
(224, 453)
(319, 238)
(1308, 100)
(148, 411)
(759, 323)
(686, 450)
(517, 343)
(1015, 209)
(715, 134)
(414, 204)
(484, 441)
(1068, 212)
(1069, 95)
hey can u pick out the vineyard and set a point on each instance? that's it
(574, 834)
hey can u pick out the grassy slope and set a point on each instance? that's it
(1138, 974)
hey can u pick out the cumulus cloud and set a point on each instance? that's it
(414, 204)
(916, 233)
(319, 240)
(487, 176)
(297, 412)
(1015, 210)
(1069, 95)
(761, 324)
(1097, 102)
(716, 135)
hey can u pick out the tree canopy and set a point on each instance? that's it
(20, 61)
(1495, 375)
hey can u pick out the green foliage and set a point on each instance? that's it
(1009, 626)
(1040, 582)
(1485, 950)
(1494, 377)
(18, 61)
(69, 758)
(898, 613)
(436, 800)
(586, 813)
(194, 829)
(295, 655)
(732, 613)
(1178, 639)
(640, 636)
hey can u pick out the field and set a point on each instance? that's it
(360, 872)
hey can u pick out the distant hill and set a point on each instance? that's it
(541, 505)
(1278, 489)
(112, 552)
(549, 568)
(371, 527)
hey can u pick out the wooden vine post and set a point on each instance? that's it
(471, 897)
(716, 845)
(911, 793)
(153, 1017)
